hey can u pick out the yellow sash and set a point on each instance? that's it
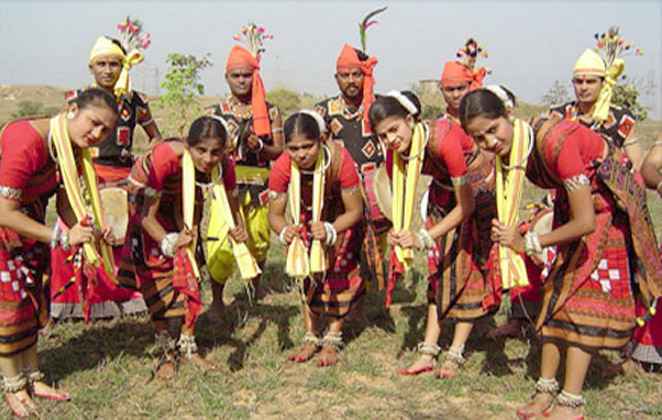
(405, 179)
(65, 158)
(188, 205)
(123, 84)
(220, 205)
(299, 264)
(600, 110)
(509, 194)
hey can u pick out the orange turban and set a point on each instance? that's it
(348, 58)
(241, 57)
(456, 72)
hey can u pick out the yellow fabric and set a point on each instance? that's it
(104, 46)
(299, 264)
(600, 111)
(221, 208)
(509, 185)
(590, 64)
(405, 179)
(123, 84)
(188, 205)
(65, 158)
(220, 257)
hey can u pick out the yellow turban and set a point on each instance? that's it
(590, 64)
(105, 46)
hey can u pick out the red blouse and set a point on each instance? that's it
(279, 178)
(27, 171)
(580, 148)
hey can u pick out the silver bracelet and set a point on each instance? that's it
(281, 236)
(260, 145)
(532, 243)
(331, 234)
(55, 235)
(425, 238)
(168, 244)
(64, 240)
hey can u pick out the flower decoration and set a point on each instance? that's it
(611, 45)
(253, 36)
(471, 49)
(132, 36)
(367, 23)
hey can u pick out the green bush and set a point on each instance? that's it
(34, 109)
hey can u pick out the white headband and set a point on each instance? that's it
(404, 101)
(502, 94)
(223, 123)
(318, 119)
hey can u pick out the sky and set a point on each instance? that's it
(530, 43)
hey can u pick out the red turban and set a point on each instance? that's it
(348, 58)
(456, 72)
(241, 57)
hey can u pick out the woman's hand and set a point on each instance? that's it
(81, 233)
(508, 236)
(108, 237)
(289, 233)
(253, 142)
(404, 238)
(239, 234)
(318, 231)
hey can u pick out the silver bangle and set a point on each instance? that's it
(532, 243)
(331, 234)
(281, 236)
(425, 238)
(64, 240)
(55, 235)
(168, 244)
(260, 145)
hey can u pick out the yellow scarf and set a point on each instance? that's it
(509, 194)
(65, 159)
(299, 264)
(405, 179)
(123, 84)
(600, 111)
(221, 206)
(188, 205)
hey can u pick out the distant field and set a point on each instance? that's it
(106, 366)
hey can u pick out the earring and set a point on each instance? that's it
(70, 115)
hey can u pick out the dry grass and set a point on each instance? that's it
(106, 366)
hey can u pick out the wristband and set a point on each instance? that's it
(425, 239)
(532, 243)
(281, 236)
(331, 234)
(168, 244)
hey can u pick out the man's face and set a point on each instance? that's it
(240, 81)
(350, 82)
(106, 70)
(587, 88)
(453, 93)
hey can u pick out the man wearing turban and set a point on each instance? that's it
(256, 139)
(346, 116)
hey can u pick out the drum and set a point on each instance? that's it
(115, 208)
(384, 196)
(541, 222)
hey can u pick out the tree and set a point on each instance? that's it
(557, 94)
(627, 95)
(286, 100)
(182, 85)
(33, 109)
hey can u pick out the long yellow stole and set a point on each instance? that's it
(248, 267)
(600, 110)
(405, 179)
(188, 205)
(299, 264)
(509, 195)
(65, 158)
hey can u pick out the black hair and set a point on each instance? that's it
(302, 124)
(206, 127)
(388, 106)
(95, 96)
(481, 103)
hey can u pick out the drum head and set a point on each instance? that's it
(384, 196)
(541, 224)
(115, 207)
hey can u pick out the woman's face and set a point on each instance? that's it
(207, 154)
(395, 132)
(493, 135)
(303, 151)
(91, 125)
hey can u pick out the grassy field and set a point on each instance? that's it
(107, 365)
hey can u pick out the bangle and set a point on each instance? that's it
(281, 236)
(532, 243)
(55, 235)
(260, 145)
(64, 240)
(331, 234)
(168, 244)
(425, 238)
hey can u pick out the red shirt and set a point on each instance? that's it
(25, 163)
(580, 148)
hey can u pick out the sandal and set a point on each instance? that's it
(332, 343)
(311, 345)
(548, 387)
(16, 396)
(452, 363)
(568, 401)
(426, 350)
(40, 389)
(188, 351)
